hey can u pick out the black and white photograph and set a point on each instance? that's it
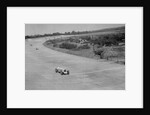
(74, 56)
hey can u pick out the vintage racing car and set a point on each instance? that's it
(62, 71)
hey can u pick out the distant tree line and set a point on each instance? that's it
(120, 29)
(56, 34)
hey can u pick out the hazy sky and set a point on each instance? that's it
(32, 29)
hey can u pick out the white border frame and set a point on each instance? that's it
(18, 97)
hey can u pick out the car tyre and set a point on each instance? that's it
(68, 72)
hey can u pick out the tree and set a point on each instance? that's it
(99, 52)
(73, 32)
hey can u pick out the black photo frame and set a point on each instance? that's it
(106, 3)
